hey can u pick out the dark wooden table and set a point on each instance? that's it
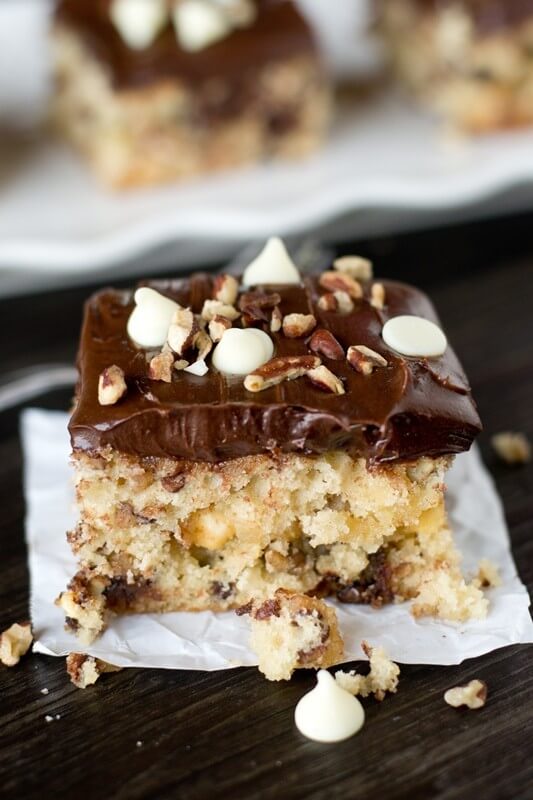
(231, 734)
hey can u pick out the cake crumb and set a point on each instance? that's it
(138, 743)
(512, 447)
(382, 678)
(488, 575)
(15, 643)
(44, 691)
(473, 695)
(84, 670)
(48, 718)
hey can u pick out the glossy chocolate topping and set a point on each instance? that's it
(410, 408)
(488, 15)
(278, 32)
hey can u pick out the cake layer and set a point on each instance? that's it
(489, 16)
(411, 407)
(278, 32)
(160, 535)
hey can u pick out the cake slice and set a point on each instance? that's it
(234, 436)
(153, 90)
(469, 60)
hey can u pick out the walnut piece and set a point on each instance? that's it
(84, 670)
(512, 447)
(324, 379)
(215, 308)
(285, 368)
(297, 325)
(15, 643)
(377, 296)
(275, 320)
(218, 327)
(323, 343)
(473, 695)
(161, 365)
(111, 385)
(182, 330)
(354, 266)
(334, 281)
(363, 359)
(226, 289)
(382, 678)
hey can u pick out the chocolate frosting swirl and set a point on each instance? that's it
(410, 408)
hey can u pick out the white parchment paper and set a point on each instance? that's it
(210, 641)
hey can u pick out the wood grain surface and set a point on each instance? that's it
(231, 734)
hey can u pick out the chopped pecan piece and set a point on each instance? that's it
(218, 327)
(354, 266)
(363, 359)
(336, 301)
(111, 385)
(214, 308)
(257, 305)
(161, 367)
(324, 379)
(275, 320)
(297, 325)
(377, 295)
(226, 289)
(284, 368)
(473, 695)
(323, 343)
(334, 281)
(182, 330)
(203, 344)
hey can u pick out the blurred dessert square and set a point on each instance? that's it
(156, 90)
(468, 60)
(236, 436)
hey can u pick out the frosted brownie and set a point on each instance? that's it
(232, 437)
(469, 60)
(152, 90)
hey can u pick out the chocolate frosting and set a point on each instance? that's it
(278, 32)
(410, 408)
(488, 15)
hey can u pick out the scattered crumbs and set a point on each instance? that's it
(44, 691)
(278, 763)
(138, 743)
(58, 716)
(395, 719)
(512, 447)
(48, 718)
(187, 746)
(253, 763)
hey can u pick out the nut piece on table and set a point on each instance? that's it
(323, 343)
(324, 379)
(111, 385)
(377, 295)
(84, 670)
(512, 447)
(473, 695)
(161, 365)
(363, 359)
(383, 676)
(15, 643)
(334, 281)
(217, 327)
(226, 289)
(277, 370)
(354, 266)
(297, 325)
(214, 308)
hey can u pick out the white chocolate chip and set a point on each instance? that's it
(273, 265)
(199, 23)
(328, 713)
(150, 319)
(414, 336)
(240, 351)
(139, 21)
